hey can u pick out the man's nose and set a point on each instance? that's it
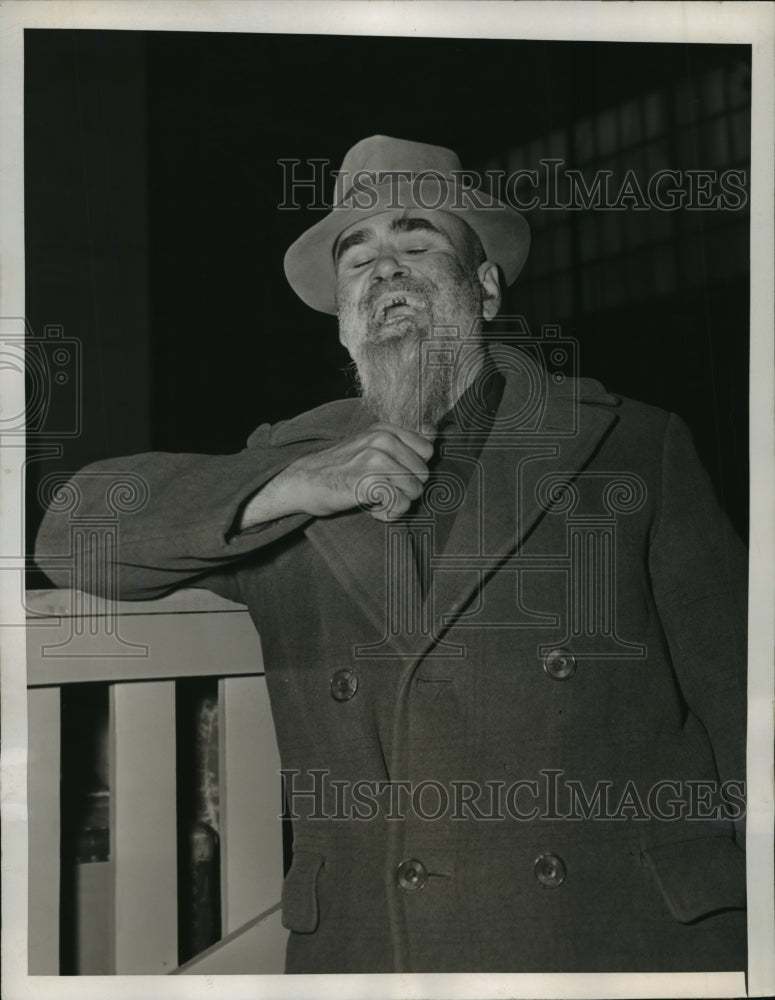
(387, 266)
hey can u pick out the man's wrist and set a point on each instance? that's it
(275, 499)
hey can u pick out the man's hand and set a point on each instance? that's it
(382, 470)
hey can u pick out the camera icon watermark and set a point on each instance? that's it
(42, 375)
(535, 365)
(91, 505)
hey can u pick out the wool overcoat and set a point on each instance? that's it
(530, 756)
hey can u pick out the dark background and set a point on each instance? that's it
(153, 237)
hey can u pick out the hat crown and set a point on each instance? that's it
(383, 174)
(382, 154)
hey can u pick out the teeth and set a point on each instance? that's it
(399, 299)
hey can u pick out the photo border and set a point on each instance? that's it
(749, 23)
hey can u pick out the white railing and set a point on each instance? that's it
(139, 650)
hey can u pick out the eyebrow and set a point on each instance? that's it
(353, 240)
(402, 224)
(410, 225)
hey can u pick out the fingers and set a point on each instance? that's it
(397, 457)
(397, 510)
(385, 442)
(392, 497)
(382, 470)
(421, 444)
(385, 484)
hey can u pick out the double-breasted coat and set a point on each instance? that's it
(532, 759)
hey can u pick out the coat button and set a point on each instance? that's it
(344, 684)
(550, 870)
(560, 664)
(411, 875)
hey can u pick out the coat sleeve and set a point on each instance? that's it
(136, 528)
(698, 570)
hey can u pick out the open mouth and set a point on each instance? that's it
(395, 305)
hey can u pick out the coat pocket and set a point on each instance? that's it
(699, 877)
(300, 895)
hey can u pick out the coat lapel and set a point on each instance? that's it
(351, 543)
(354, 545)
(374, 563)
(504, 508)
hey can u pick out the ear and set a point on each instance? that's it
(489, 279)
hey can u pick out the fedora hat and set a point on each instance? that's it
(381, 174)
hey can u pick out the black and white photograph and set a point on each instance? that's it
(389, 553)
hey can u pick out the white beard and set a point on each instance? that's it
(396, 386)
(397, 383)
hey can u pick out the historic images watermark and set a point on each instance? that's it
(91, 625)
(551, 186)
(41, 411)
(46, 410)
(514, 463)
(51, 365)
(551, 795)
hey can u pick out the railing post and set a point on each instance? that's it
(250, 802)
(143, 826)
(43, 767)
(184, 636)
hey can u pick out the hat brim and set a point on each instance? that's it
(309, 261)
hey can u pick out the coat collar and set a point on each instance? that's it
(499, 510)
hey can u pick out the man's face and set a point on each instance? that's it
(401, 276)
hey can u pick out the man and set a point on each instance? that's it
(501, 613)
